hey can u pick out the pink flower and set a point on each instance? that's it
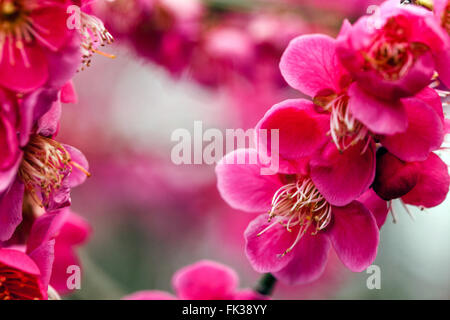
(46, 170)
(204, 280)
(294, 239)
(36, 47)
(19, 277)
(310, 65)
(68, 231)
(25, 270)
(420, 183)
(393, 53)
(305, 148)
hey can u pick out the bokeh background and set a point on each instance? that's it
(151, 217)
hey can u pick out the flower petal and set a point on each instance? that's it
(11, 209)
(310, 65)
(377, 206)
(264, 250)
(380, 116)
(309, 261)
(241, 184)
(354, 235)
(302, 130)
(205, 280)
(432, 185)
(342, 177)
(424, 134)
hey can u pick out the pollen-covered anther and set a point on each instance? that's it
(93, 36)
(46, 163)
(446, 18)
(299, 205)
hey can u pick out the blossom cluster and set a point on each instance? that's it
(367, 136)
(39, 56)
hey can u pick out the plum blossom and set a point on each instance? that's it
(45, 170)
(398, 58)
(294, 239)
(36, 47)
(310, 64)
(204, 280)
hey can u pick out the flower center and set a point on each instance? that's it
(345, 130)
(18, 285)
(18, 29)
(390, 54)
(93, 36)
(45, 165)
(299, 204)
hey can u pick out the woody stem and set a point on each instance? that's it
(266, 284)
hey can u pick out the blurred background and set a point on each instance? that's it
(180, 61)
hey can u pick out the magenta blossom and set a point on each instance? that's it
(421, 183)
(204, 280)
(395, 52)
(36, 48)
(25, 270)
(310, 65)
(294, 239)
(305, 148)
(46, 170)
(68, 231)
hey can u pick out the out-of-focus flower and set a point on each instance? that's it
(36, 47)
(204, 280)
(421, 183)
(293, 241)
(310, 64)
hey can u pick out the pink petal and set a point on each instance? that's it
(77, 176)
(443, 66)
(394, 178)
(48, 124)
(241, 185)
(205, 280)
(264, 251)
(302, 131)
(382, 117)
(18, 260)
(424, 134)
(432, 185)
(309, 260)
(354, 235)
(11, 209)
(342, 177)
(68, 93)
(310, 65)
(377, 206)
(21, 76)
(150, 295)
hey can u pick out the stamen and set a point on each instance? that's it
(17, 28)
(45, 165)
(345, 130)
(299, 204)
(93, 35)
